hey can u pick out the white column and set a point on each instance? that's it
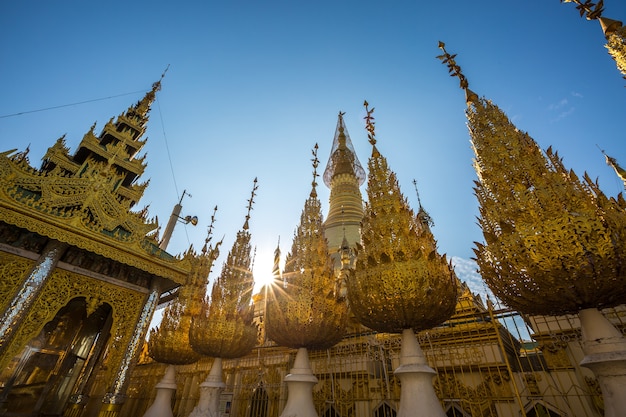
(605, 354)
(210, 390)
(162, 405)
(300, 382)
(417, 395)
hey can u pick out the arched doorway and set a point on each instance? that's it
(259, 402)
(44, 375)
(385, 410)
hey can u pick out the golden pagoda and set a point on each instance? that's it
(343, 175)
(305, 312)
(554, 244)
(81, 272)
(400, 283)
(223, 328)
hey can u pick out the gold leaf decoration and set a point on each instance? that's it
(305, 312)
(223, 328)
(400, 281)
(554, 244)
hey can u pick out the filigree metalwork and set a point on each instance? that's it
(554, 244)
(400, 281)
(306, 312)
(223, 328)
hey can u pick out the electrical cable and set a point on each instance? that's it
(68, 105)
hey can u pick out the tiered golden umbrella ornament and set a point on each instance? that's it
(305, 312)
(401, 284)
(223, 328)
(169, 342)
(613, 30)
(554, 244)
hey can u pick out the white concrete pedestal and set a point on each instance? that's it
(162, 405)
(417, 395)
(210, 390)
(605, 354)
(300, 382)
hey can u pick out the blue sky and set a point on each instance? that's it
(253, 85)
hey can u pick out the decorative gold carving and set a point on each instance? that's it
(328, 393)
(554, 243)
(305, 311)
(78, 201)
(532, 383)
(63, 286)
(555, 353)
(400, 280)
(13, 269)
(478, 401)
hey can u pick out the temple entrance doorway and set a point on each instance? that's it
(57, 363)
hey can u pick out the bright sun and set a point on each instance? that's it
(262, 271)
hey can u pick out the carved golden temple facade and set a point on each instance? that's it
(82, 274)
(489, 360)
(81, 271)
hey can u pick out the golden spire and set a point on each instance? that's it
(224, 328)
(141, 109)
(306, 313)
(612, 162)
(342, 157)
(343, 175)
(400, 281)
(553, 243)
(169, 342)
(613, 30)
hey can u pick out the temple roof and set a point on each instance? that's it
(85, 199)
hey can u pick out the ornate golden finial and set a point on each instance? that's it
(369, 124)
(342, 159)
(588, 8)
(612, 162)
(455, 71)
(614, 31)
(250, 203)
(157, 85)
(316, 163)
(209, 234)
(422, 214)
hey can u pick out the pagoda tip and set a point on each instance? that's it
(455, 71)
